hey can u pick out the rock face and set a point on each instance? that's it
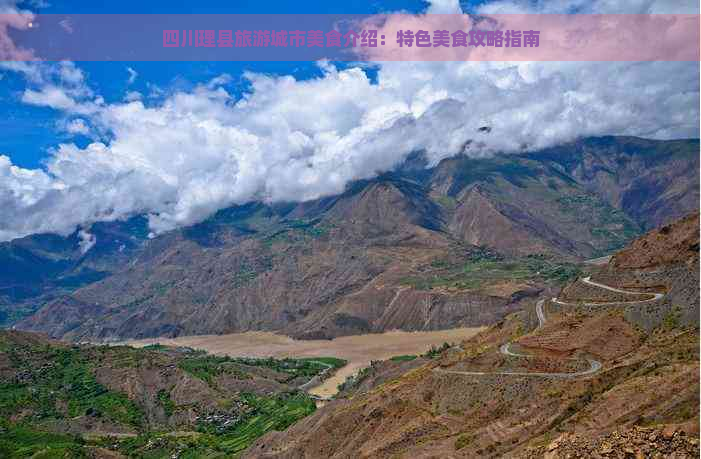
(636, 442)
(677, 242)
(387, 253)
(664, 260)
(642, 402)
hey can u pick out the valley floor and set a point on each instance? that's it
(358, 350)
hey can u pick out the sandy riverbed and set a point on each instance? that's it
(358, 350)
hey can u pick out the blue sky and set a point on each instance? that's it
(29, 131)
(184, 143)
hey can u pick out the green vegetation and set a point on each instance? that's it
(447, 202)
(250, 269)
(155, 347)
(613, 228)
(437, 351)
(354, 380)
(403, 358)
(470, 170)
(463, 441)
(124, 356)
(672, 318)
(274, 413)
(291, 231)
(243, 276)
(54, 384)
(66, 381)
(483, 267)
(13, 313)
(311, 228)
(166, 402)
(333, 361)
(261, 415)
(547, 269)
(83, 277)
(162, 445)
(22, 441)
(208, 367)
(307, 367)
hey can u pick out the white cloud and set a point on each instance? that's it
(63, 73)
(49, 96)
(132, 75)
(70, 74)
(77, 126)
(32, 71)
(131, 96)
(155, 92)
(220, 80)
(87, 241)
(61, 86)
(444, 7)
(189, 153)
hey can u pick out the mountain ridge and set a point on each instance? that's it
(333, 266)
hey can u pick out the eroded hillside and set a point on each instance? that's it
(463, 243)
(614, 373)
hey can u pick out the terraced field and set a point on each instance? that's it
(59, 400)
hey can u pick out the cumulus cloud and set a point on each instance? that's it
(49, 96)
(188, 153)
(61, 86)
(73, 77)
(32, 71)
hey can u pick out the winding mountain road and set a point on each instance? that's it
(587, 280)
(539, 312)
(594, 365)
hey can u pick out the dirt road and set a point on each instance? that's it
(594, 365)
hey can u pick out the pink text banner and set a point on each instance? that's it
(390, 37)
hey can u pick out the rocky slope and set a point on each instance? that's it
(643, 400)
(459, 244)
(664, 260)
(75, 401)
(38, 269)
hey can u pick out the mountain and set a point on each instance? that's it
(608, 368)
(76, 401)
(37, 269)
(463, 243)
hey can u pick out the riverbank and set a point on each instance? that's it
(358, 350)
